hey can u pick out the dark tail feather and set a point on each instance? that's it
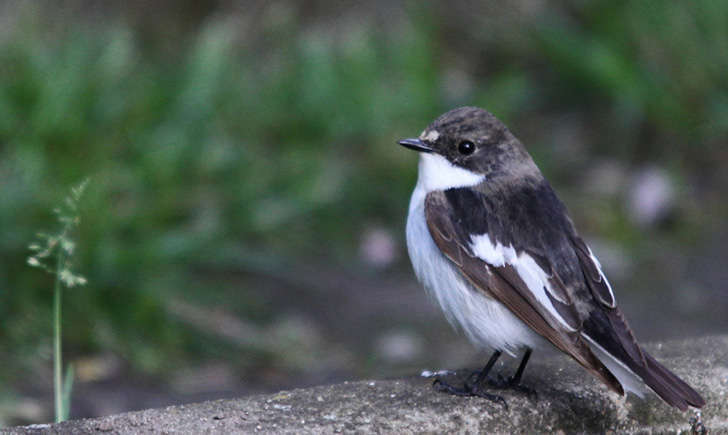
(668, 386)
(609, 329)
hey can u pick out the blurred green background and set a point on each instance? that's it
(243, 230)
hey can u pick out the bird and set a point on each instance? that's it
(492, 243)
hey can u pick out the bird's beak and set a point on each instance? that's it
(416, 144)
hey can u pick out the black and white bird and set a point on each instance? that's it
(494, 246)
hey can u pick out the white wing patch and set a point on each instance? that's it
(604, 277)
(535, 278)
(495, 255)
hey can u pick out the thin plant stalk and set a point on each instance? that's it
(62, 246)
(57, 355)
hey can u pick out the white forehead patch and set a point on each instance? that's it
(431, 136)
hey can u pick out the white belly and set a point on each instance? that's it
(486, 322)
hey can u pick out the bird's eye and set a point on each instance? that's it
(466, 147)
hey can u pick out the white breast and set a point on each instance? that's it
(485, 321)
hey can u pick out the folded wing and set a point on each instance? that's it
(502, 281)
(538, 267)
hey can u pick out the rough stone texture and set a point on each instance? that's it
(568, 400)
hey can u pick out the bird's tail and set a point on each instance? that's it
(634, 368)
(667, 385)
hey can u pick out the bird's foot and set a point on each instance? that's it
(469, 389)
(510, 383)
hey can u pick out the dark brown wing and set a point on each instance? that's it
(608, 327)
(592, 273)
(505, 285)
(533, 221)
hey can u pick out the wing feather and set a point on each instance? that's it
(506, 285)
(582, 309)
(595, 279)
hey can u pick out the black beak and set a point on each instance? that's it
(416, 144)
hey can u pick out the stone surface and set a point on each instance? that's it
(568, 400)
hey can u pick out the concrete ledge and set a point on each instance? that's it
(568, 400)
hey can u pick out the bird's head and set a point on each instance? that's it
(471, 141)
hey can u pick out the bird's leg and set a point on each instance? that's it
(473, 388)
(516, 379)
(514, 382)
(483, 374)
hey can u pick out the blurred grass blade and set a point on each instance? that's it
(66, 396)
(57, 352)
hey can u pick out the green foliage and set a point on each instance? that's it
(59, 249)
(656, 64)
(211, 159)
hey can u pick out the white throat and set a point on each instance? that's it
(436, 173)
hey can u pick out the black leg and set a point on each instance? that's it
(483, 374)
(474, 388)
(516, 379)
(514, 382)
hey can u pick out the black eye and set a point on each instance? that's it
(466, 147)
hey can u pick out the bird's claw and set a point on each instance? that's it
(510, 383)
(468, 390)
